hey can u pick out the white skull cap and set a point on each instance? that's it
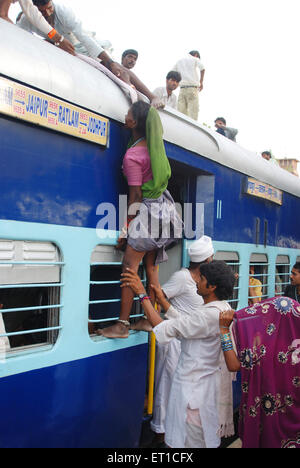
(201, 250)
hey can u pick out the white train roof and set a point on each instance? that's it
(34, 62)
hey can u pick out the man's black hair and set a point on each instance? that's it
(40, 2)
(140, 110)
(130, 52)
(219, 274)
(174, 75)
(222, 120)
(195, 53)
(267, 153)
(297, 266)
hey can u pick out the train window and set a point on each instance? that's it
(232, 259)
(105, 291)
(258, 278)
(282, 277)
(30, 285)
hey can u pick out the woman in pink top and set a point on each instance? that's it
(153, 222)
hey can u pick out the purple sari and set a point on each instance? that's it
(268, 342)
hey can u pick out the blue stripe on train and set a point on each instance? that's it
(94, 402)
(52, 178)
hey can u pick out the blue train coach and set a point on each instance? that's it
(62, 141)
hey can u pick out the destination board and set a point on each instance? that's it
(262, 190)
(39, 108)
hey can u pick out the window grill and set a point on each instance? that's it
(105, 291)
(282, 274)
(259, 264)
(30, 286)
(232, 259)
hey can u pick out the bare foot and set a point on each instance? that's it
(142, 325)
(118, 330)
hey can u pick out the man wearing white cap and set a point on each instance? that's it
(181, 291)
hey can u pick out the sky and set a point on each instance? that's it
(250, 52)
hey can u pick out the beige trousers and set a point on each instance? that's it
(188, 102)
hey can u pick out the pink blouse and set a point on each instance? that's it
(137, 166)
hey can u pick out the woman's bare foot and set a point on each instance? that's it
(118, 330)
(142, 325)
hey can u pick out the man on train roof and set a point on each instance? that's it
(34, 16)
(129, 58)
(228, 132)
(166, 93)
(64, 21)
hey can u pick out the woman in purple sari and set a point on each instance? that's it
(267, 338)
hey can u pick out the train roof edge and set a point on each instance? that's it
(27, 59)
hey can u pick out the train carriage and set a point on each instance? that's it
(62, 142)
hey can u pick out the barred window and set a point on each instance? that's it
(232, 259)
(105, 291)
(282, 276)
(30, 287)
(258, 278)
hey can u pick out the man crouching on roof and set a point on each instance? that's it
(64, 21)
(192, 415)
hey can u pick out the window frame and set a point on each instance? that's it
(284, 274)
(266, 273)
(27, 269)
(232, 258)
(109, 251)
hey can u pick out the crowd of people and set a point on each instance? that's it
(201, 340)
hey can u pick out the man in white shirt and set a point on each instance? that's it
(189, 67)
(35, 17)
(192, 419)
(181, 292)
(166, 93)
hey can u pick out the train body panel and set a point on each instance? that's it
(60, 384)
(76, 404)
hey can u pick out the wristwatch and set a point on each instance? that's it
(59, 41)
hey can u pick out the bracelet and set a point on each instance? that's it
(226, 342)
(226, 337)
(227, 347)
(52, 33)
(59, 41)
(124, 322)
(144, 298)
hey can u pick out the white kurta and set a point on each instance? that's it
(68, 25)
(34, 16)
(196, 380)
(181, 290)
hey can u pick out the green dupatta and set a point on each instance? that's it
(160, 166)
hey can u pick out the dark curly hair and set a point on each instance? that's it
(297, 266)
(219, 274)
(40, 2)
